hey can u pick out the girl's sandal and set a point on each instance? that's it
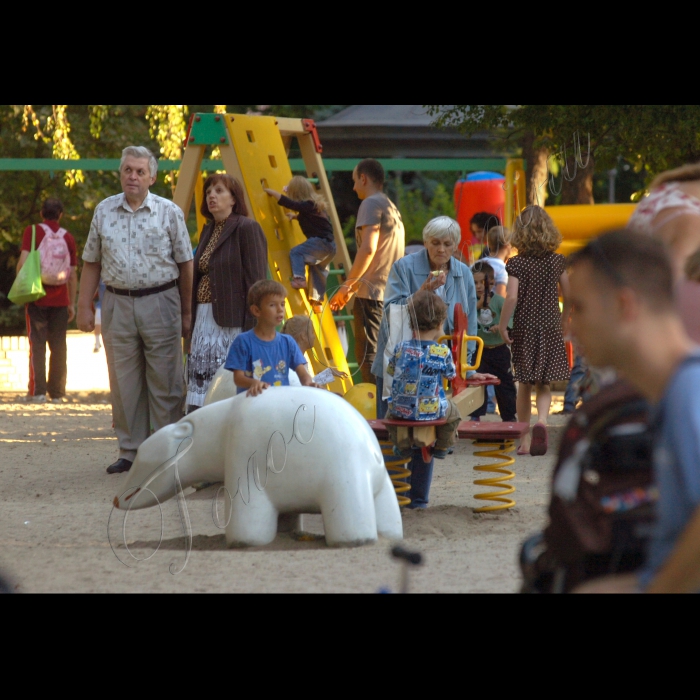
(540, 441)
(522, 452)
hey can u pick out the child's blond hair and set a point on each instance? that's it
(300, 328)
(301, 190)
(498, 238)
(535, 234)
(692, 267)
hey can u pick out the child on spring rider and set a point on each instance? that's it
(418, 369)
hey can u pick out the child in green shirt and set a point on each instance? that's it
(497, 358)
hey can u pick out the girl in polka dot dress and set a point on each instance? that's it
(537, 275)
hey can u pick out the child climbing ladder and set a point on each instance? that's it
(320, 249)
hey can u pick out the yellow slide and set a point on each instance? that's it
(263, 161)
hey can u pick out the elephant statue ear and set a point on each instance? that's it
(183, 430)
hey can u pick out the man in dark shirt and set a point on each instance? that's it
(48, 318)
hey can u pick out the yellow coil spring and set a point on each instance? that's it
(396, 467)
(500, 452)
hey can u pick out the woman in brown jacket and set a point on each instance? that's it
(231, 258)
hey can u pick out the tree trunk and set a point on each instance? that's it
(537, 174)
(580, 189)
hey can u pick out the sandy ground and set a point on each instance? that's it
(56, 505)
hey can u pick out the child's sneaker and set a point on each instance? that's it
(404, 454)
(299, 283)
(441, 454)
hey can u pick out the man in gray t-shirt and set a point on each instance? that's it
(379, 211)
(381, 241)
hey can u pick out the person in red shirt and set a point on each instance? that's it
(48, 318)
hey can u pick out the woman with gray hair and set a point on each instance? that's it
(436, 270)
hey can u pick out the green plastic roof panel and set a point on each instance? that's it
(209, 130)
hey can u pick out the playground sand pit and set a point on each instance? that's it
(57, 501)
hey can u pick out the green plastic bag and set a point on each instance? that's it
(28, 287)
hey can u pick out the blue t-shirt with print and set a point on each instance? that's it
(418, 368)
(676, 464)
(267, 361)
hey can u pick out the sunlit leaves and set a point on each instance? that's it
(98, 117)
(168, 125)
(55, 131)
(63, 148)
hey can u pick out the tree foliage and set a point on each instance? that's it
(71, 132)
(417, 209)
(168, 126)
(653, 138)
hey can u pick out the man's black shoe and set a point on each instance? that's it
(120, 467)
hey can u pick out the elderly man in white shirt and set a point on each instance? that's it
(139, 245)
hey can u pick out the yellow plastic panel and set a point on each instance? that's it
(583, 222)
(263, 162)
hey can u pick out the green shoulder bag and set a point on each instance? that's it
(28, 286)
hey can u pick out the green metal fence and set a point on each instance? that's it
(332, 164)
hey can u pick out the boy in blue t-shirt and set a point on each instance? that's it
(262, 358)
(418, 368)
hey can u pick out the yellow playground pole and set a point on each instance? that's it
(516, 191)
(255, 151)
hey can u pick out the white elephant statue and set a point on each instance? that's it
(222, 387)
(289, 451)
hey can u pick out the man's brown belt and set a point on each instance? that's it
(138, 293)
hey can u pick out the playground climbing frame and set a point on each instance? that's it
(255, 150)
